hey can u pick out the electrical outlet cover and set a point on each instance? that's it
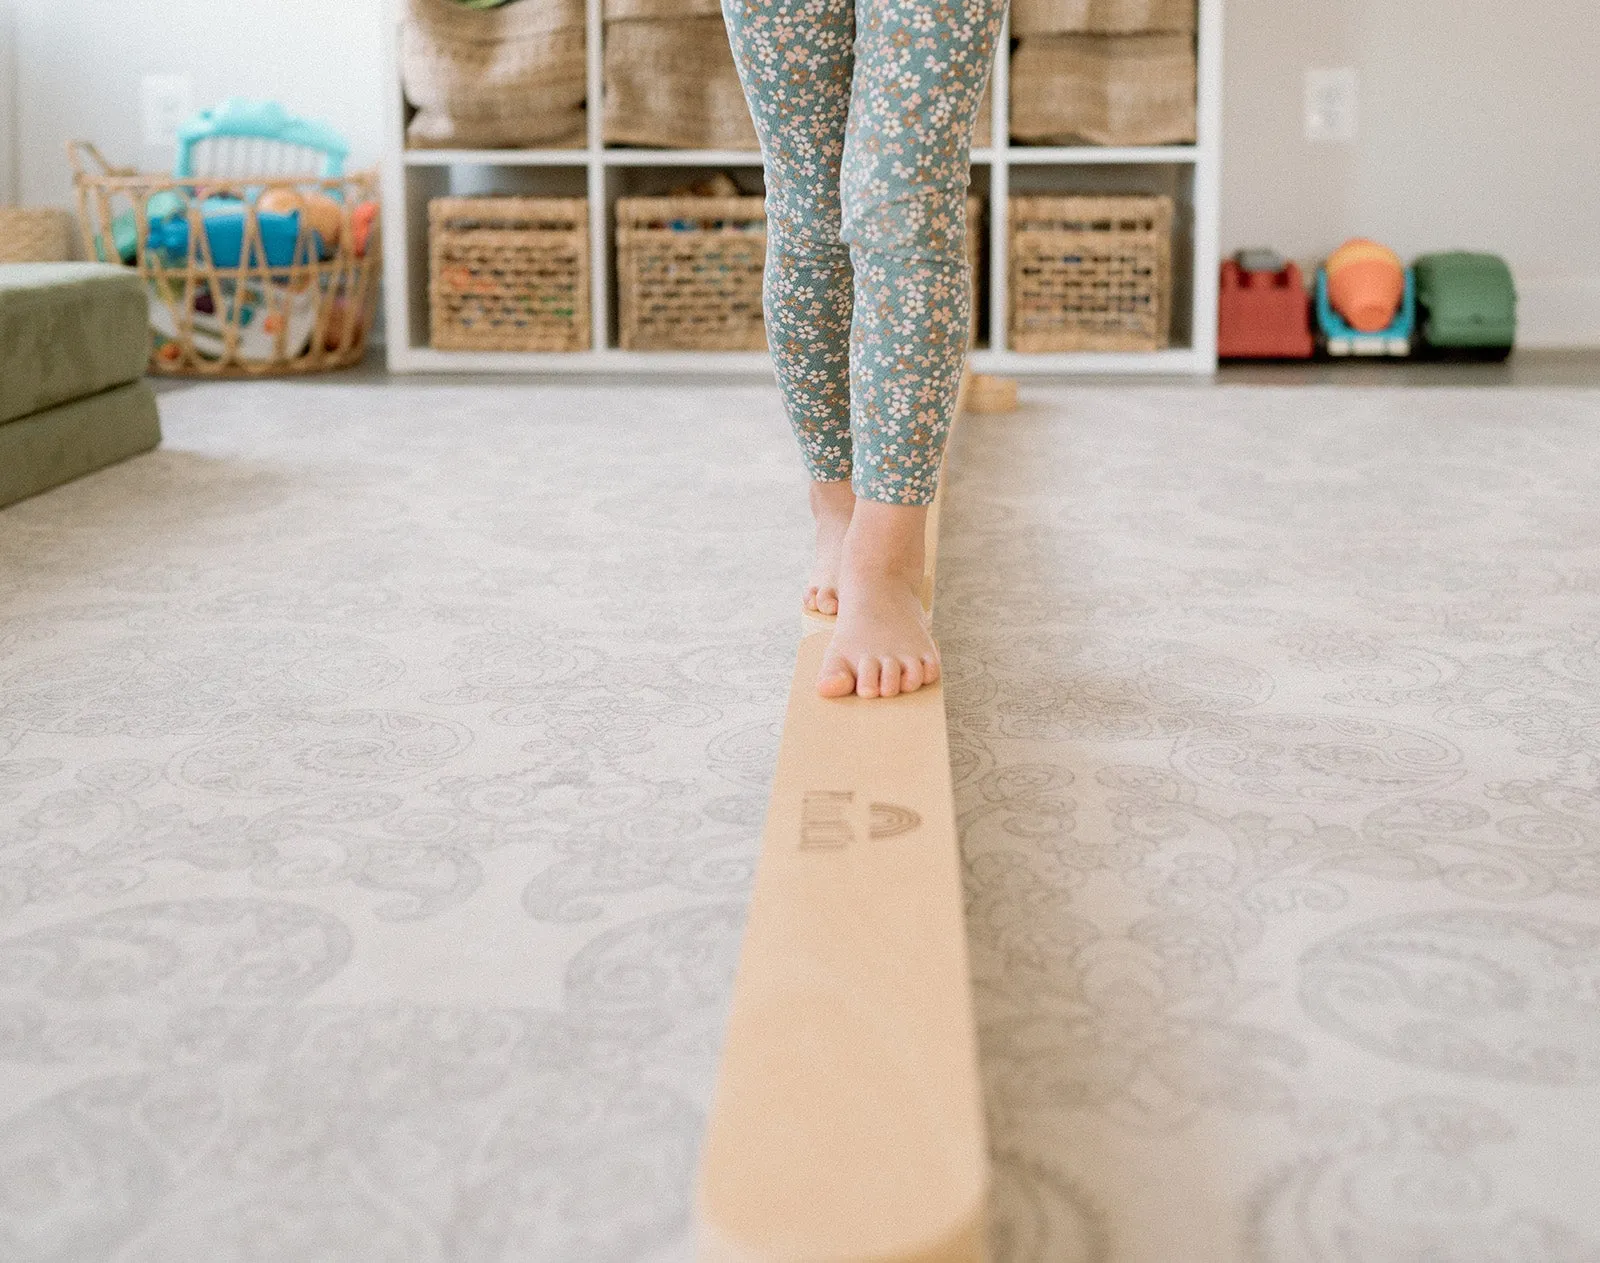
(1332, 97)
(167, 100)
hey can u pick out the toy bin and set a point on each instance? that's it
(1263, 315)
(248, 275)
(508, 273)
(1091, 273)
(689, 273)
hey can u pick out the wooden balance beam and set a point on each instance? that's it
(848, 1118)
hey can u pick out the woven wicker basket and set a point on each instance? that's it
(36, 235)
(482, 78)
(1106, 89)
(1091, 273)
(508, 273)
(689, 272)
(248, 316)
(673, 83)
(1100, 17)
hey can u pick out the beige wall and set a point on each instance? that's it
(1480, 119)
(80, 63)
(1480, 128)
(8, 105)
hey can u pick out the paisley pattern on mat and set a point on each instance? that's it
(382, 766)
(381, 774)
(1275, 722)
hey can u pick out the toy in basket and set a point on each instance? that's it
(260, 254)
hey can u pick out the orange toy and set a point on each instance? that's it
(281, 200)
(1366, 283)
(325, 216)
(362, 217)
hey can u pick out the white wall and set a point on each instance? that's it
(1480, 119)
(1480, 128)
(8, 102)
(80, 63)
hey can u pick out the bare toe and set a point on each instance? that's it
(930, 668)
(827, 601)
(888, 677)
(836, 679)
(812, 597)
(867, 677)
(910, 675)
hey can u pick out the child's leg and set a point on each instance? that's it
(921, 66)
(794, 61)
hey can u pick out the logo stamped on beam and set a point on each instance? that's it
(830, 820)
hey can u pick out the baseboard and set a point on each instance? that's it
(1558, 311)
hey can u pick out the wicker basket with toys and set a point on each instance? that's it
(260, 254)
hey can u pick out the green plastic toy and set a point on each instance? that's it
(1468, 304)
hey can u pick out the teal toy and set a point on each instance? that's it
(1468, 304)
(159, 208)
(254, 121)
(1340, 339)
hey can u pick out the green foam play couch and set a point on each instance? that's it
(74, 341)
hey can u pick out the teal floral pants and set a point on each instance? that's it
(865, 111)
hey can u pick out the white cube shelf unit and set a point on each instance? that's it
(411, 177)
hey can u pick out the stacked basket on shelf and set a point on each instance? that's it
(1091, 273)
(670, 80)
(509, 273)
(689, 271)
(482, 78)
(1110, 72)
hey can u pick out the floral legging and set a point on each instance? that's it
(865, 111)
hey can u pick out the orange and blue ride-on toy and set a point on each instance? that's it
(1263, 315)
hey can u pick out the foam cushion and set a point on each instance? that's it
(72, 439)
(68, 330)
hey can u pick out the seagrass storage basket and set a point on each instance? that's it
(1101, 17)
(31, 234)
(670, 81)
(482, 78)
(1104, 89)
(508, 273)
(689, 273)
(248, 275)
(1091, 273)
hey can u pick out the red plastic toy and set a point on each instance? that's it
(1264, 315)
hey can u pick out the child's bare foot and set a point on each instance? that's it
(881, 644)
(831, 505)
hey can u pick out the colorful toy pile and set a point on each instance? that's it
(1366, 302)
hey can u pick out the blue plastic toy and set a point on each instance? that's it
(224, 221)
(1343, 340)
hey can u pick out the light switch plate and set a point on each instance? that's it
(1332, 104)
